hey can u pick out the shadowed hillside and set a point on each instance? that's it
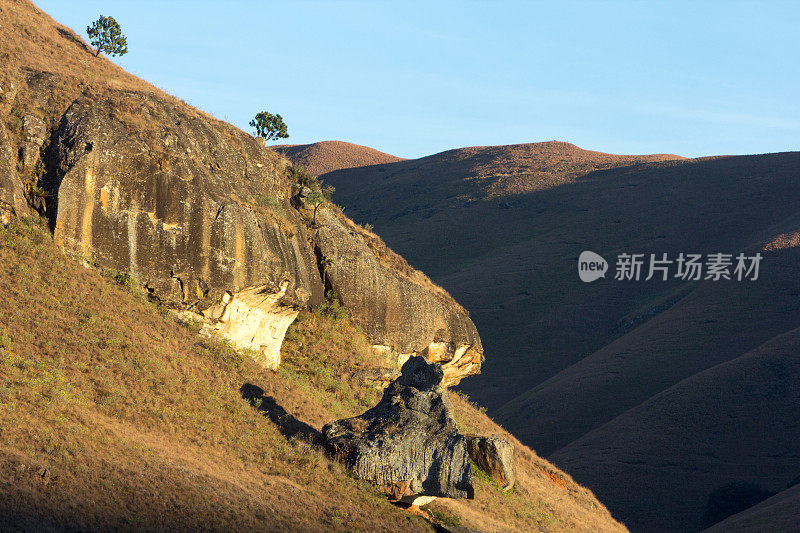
(779, 513)
(327, 156)
(568, 361)
(735, 422)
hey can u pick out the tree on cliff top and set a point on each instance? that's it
(105, 34)
(269, 126)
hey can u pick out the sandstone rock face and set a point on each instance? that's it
(196, 210)
(255, 319)
(495, 456)
(12, 194)
(401, 311)
(408, 444)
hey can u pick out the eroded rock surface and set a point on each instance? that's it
(402, 312)
(34, 132)
(255, 318)
(196, 210)
(495, 456)
(408, 444)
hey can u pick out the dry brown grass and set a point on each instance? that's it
(327, 156)
(45, 66)
(139, 423)
(543, 497)
(784, 240)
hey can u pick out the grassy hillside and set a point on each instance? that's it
(473, 173)
(115, 416)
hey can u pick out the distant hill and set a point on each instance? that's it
(635, 387)
(483, 171)
(327, 156)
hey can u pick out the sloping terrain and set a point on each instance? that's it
(327, 156)
(478, 172)
(778, 513)
(565, 358)
(735, 422)
(113, 416)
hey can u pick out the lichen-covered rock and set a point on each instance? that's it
(401, 311)
(408, 444)
(380, 377)
(495, 456)
(12, 194)
(34, 131)
(195, 209)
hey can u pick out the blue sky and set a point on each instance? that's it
(415, 78)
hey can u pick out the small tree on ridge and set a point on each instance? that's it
(105, 34)
(269, 126)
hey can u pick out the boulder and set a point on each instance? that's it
(408, 444)
(495, 456)
(400, 310)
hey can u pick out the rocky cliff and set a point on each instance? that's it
(401, 311)
(197, 211)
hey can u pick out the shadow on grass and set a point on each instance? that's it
(288, 425)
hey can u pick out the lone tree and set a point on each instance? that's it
(318, 197)
(106, 35)
(269, 126)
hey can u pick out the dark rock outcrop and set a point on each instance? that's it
(408, 444)
(380, 378)
(495, 456)
(401, 311)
